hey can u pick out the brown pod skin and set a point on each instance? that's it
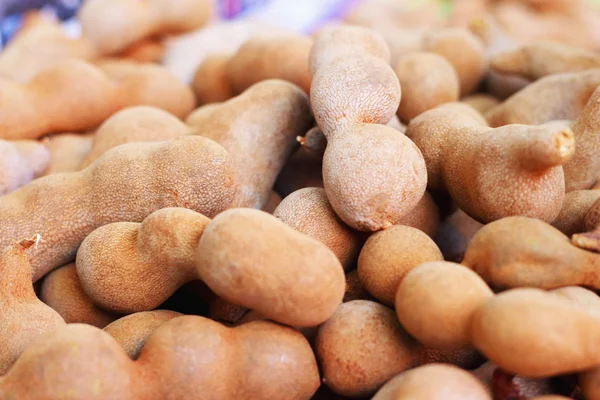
(130, 267)
(38, 46)
(62, 290)
(540, 59)
(132, 331)
(481, 102)
(135, 124)
(512, 170)
(589, 382)
(21, 161)
(308, 211)
(24, 317)
(301, 287)
(268, 116)
(427, 80)
(260, 58)
(114, 25)
(353, 91)
(580, 297)
(127, 183)
(531, 333)
(76, 96)
(389, 255)
(67, 151)
(463, 50)
(211, 82)
(259, 360)
(149, 84)
(273, 202)
(362, 346)
(435, 302)
(434, 382)
(572, 216)
(517, 251)
(583, 170)
(425, 216)
(554, 97)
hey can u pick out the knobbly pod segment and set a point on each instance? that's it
(259, 129)
(20, 162)
(132, 21)
(75, 96)
(126, 184)
(23, 317)
(511, 170)
(188, 357)
(373, 175)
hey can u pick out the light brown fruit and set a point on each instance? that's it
(258, 128)
(132, 331)
(572, 216)
(389, 255)
(308, 211)
(62, 290)
(532, 333)
(435, 302)
(434, 382)
(21, 161)
(126, 184)
(67, 151)
(427, 80)
(299, 285)
(362, 346)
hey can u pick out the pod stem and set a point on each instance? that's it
(547, 148)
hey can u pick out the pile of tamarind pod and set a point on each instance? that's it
(402, 205)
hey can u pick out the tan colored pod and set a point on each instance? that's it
(67, 151)
(389, 255)
(259, 360)
(362, 346)
(211, 83)
(554, 97)
(463, 50)
(427, 80)
(38, 46)
(425, 216)
(434, 382)
(580, 297)
(530, 332)
(62, 290)
(435, 302)
(76, 96)
(149, 50)
(267, 117)
(572, 216)
(583, 170)
(24, 317)
(353, 91)
(114, 25)
(540, 59)
(517, 251)
(21, 161)
(260, 58)
(132, 331)
(308, 211)
(511, 170)
(301, 286)
(127, 183)
(135, 124)
(129, 267)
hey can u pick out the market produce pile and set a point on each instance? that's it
(404, 204)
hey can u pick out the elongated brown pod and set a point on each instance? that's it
(373, 175)
(126, 184)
